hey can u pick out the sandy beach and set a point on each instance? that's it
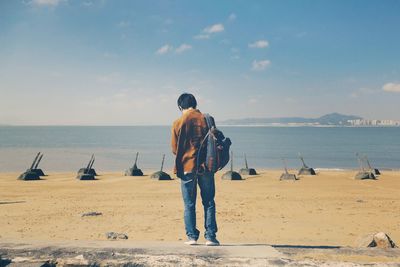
(330, 209)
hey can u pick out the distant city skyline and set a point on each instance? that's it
(68, 62)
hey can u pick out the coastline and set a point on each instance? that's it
(316, 126)
(218, 124)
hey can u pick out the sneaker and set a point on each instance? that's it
(191, 242)
(212, 242)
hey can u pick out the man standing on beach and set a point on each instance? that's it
(188, 132)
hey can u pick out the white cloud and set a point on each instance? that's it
(164, 49)
(259, 44)
(391, 87)
(182, 48)
(210, 30)
(46, 2)
(214, 28)
(260, 65)
(202, 36)
(169, 48)
(232, 17)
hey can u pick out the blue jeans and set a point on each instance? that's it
(189, 194)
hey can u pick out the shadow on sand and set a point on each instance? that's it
(282, 246)
(11, 202)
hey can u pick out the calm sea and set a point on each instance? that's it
(68, 148)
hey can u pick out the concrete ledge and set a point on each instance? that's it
(130, 253)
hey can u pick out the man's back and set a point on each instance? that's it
(188, 132)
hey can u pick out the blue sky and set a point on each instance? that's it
(126, 62)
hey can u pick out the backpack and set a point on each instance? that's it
(217, 147)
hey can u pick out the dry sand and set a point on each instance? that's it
(330, 209)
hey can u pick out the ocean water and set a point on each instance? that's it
(68, 148)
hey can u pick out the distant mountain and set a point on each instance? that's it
(336, 119)
(329, 119)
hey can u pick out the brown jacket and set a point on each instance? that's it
(188, 132)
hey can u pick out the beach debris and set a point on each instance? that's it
(161, 175)
(30, 174)
(92, 213)
(134, 171)
(363, 173)
(231, 175)
(247, 170)
(286, 175)
(376, 240)
(382, 240)
(305, 170)
(87, 173)
(373, 170)
(115, 236)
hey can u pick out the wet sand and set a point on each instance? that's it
(330, 209)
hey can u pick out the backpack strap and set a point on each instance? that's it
(210, 121)
(210, 124)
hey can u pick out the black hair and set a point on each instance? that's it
(186, 101)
